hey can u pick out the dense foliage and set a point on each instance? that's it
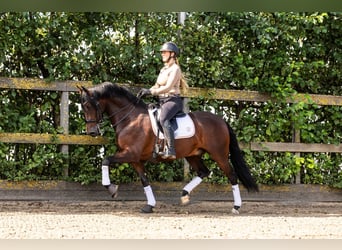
(277, 53)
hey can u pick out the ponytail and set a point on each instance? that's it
(183, 82)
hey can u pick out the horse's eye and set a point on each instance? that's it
(86, 106)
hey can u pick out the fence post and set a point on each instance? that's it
(296, 138)
(64, 123)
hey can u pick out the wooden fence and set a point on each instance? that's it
(235, 95)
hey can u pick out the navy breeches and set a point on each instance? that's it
(170, 106)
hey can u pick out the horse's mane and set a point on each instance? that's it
(113, 90)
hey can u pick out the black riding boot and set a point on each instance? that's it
(169, 152)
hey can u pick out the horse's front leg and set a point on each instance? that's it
(112, 188)
(119, 157)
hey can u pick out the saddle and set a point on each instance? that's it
(182, 124)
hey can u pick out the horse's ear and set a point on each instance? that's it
(86, 90)
(82, 88)
(79, 88)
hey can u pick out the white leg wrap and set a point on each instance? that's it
(150, 196)
(192, 184)
(236, 195)
(105, 176)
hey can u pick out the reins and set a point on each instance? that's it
(125, 116)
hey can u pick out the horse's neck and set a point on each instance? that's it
(123, 112)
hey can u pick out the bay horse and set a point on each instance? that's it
(136, 140)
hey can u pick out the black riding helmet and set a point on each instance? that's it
(170, 46)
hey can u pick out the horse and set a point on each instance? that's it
(135, 140)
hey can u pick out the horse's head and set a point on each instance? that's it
(92, 111)
(116, 101)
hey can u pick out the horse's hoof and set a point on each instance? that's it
(113, 190)
(185, 200)
(235, 210)
(147, 209)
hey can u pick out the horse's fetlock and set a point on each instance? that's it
(184, 193)
(204, 174)
(105, 162)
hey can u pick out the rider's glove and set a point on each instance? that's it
(143, 92)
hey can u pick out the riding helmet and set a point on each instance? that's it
(170, 46)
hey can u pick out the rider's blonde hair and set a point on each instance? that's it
(183, 82)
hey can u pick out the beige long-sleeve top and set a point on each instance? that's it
(168, 81)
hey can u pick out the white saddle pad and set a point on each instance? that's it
(186, 127)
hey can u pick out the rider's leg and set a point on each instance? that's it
(169, 109)
(170, 152)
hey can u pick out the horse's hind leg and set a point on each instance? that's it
(230, 173)
(151, 201)
(197, 164)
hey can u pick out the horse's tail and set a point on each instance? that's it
(241, 169)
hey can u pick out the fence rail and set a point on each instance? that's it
(223, 94)
(255, 96)
(52, 139)
(99, 140)
(40, 84)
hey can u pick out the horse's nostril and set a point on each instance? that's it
(93, 131)
(93, 134)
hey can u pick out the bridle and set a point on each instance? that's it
(99, 112)
(95, 104)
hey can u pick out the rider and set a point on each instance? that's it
(167, 88)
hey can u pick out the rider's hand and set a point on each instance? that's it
(143, 92)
